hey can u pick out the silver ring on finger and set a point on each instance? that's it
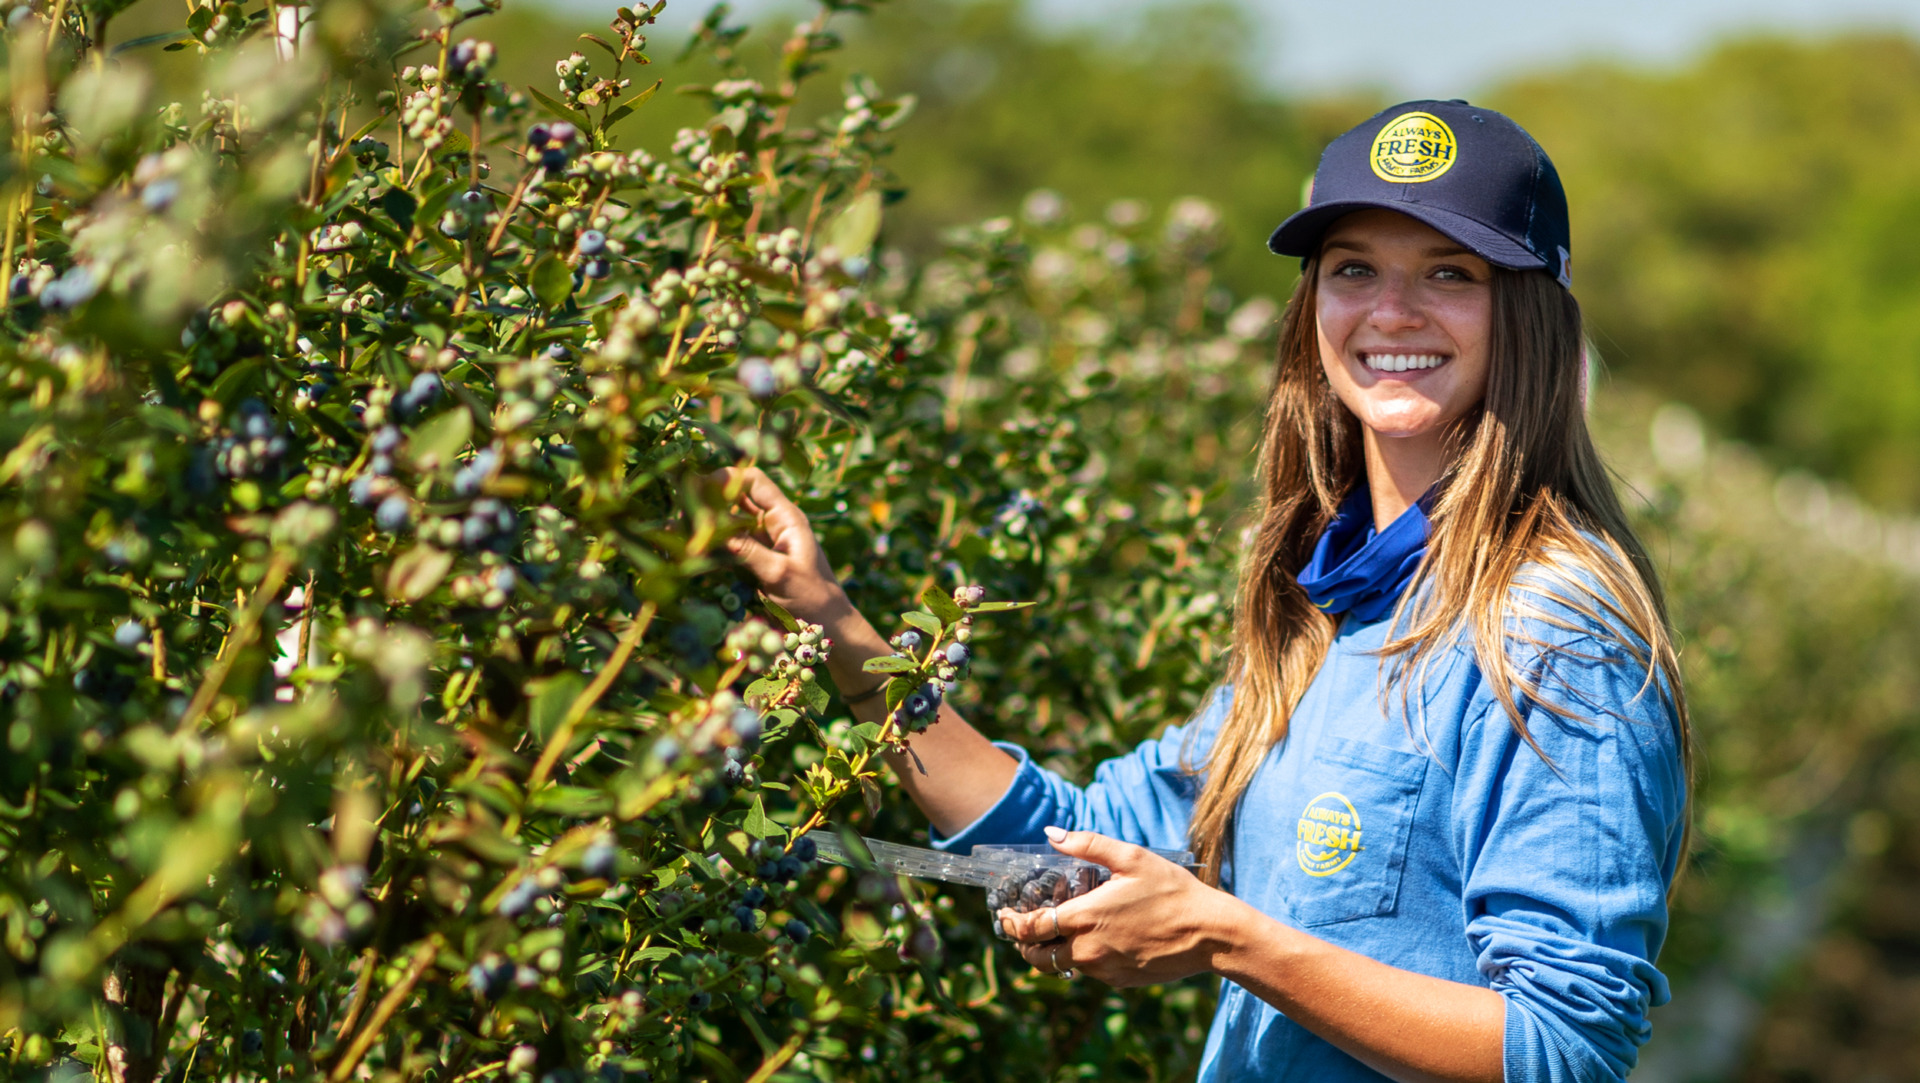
(1053, 956)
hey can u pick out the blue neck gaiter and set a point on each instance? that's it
(1360, 571)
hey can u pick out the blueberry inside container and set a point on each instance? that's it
(1018, 876)
(1035, 876)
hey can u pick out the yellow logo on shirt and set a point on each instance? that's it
(1412, 148)
(1329, 835)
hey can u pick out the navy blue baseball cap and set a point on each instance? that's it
(1468, 172)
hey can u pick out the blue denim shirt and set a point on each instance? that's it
(1431, 837)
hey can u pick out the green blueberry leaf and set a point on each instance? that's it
(1002, 607)
(888, 663)
(941, 604)
(926, 622)
(417, 571)
(758, 824)
(898, 690)
(779, 613)
(815, 697)
(552, 281)
(854, 229)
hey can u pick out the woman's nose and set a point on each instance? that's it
(1396, 306)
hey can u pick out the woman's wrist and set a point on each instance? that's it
(1232, 932)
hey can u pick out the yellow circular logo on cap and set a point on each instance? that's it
(1413, 147)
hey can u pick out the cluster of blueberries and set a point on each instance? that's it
(554, 143)
(922, 705)
(489, 524)
(253, 448)
(422, 393)
(1032, 889)
(468, 480)
(784, 868)
(592, 246)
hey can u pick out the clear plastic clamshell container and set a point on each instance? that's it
(1020, 877)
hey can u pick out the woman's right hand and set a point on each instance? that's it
(781, 551)
(954, 774)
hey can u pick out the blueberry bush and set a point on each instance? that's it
(379, 698)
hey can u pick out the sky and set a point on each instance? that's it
(1450, 48)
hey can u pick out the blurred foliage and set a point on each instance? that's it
(1740, 222)
(376, 697)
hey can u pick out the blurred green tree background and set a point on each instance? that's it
(1742, 224)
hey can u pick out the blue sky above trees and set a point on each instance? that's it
(1420, 48)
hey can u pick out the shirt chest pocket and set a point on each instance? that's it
(1350, 844)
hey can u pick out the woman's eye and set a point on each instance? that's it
(1352, 270)
(1452, 274)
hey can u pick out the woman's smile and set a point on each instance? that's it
(1406, 364)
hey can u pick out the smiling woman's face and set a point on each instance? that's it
(1404, 319)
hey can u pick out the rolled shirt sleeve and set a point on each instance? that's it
(1144, 797)
(1567, 852)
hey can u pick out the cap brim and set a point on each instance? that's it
(1300, 235)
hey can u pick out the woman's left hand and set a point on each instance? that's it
(1153, 922)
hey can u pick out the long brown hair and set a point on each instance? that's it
(1524, 485)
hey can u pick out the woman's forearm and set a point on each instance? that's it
(1409, 1026)
(964, 774)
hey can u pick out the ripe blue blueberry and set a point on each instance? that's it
(426, 387)
(393, 515)
(539, 135)
(747, 725)
(700, 1001)
(380, 466)
(757, 377)
(252, 1042)
(805, 849)
(909, 640)
(744, 915)
(592, 242)
(599, 859)
(518, 898)
(753, 896)
(922, 945)
(361, 490)
(666, 750)
(553, 159)
(130, 634)
(797, 929)
(958, 654)
(597, 267)
(474, 530)
(461, 56)
(385, 439)
(158, 195)
(557, 351)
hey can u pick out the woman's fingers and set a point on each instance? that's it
(783, 527)
(1052, 958)
(1121, 857)
(1040, 925)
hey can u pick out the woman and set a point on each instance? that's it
(1441, 795)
